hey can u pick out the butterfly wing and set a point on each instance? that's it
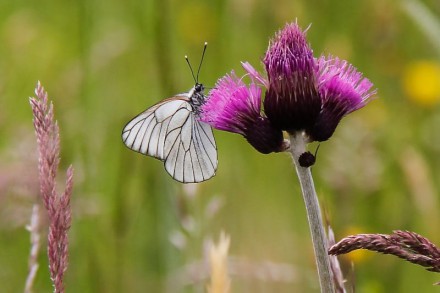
(146, 132)
(169, 131)
(191, 152)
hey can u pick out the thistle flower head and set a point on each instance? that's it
(231, 104)
(292, 100)
(235, 107)
(309, 94)
(342, 90)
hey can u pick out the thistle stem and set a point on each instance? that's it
(320, 244)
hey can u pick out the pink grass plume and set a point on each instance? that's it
(57, 205)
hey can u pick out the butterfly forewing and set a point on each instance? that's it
(138, 133)
(169, 131)
(169, 107)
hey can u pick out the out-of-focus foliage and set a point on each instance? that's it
(136, 230)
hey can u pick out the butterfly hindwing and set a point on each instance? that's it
(192, 156)
(205, 149)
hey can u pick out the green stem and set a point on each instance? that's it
(320, 244)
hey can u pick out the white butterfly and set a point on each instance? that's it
(171, 132)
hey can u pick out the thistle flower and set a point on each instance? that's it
(302, 94)
(235, 107)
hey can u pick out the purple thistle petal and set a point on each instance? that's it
(343, 90)
(232, 106)
(255, 75)
(292, 100)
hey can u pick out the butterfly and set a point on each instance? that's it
(171, 132)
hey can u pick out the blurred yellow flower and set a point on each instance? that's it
(359, 255)
(421, 82)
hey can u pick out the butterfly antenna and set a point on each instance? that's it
(201, 61)
(190, 68)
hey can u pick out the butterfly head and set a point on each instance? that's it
(198, 88)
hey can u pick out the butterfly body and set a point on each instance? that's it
(197, 97)
(171, 132)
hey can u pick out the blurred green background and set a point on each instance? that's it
(136, 230)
